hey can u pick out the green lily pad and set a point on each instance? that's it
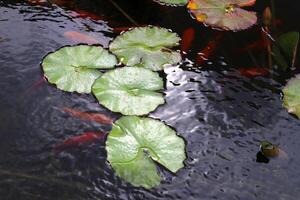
(286, 51)
(291, 99)
(74, 68)
(147, 47)
(173, 2)
(129, 90)
(224, 14)
(133, 145)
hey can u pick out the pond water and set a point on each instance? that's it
(221, 114)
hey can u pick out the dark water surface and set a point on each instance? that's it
(222, 115)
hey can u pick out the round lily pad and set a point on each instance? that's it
(74, 68)
(291, 98)
(224, 14)
(133, 145)
(129, 90)
(148, 47)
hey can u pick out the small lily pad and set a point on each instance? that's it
(133, 145)
(173, 2)
(148, 47)
(291, 99)
(224, 14)
(74, 68)
(129, 90)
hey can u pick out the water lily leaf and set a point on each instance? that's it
(224, 14)
(74, 68)
(129, 90)
(173, 2)
(133, 145)
(147, 47)
(286, 51)
(291, 99)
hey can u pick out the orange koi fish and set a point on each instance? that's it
(85, 14)
(209, 50)
(187, 39)
(80, 37)
(254, 72)
(84, 139)
(248, 3)
(96, 117)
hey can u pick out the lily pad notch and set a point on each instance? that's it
(149, 47)
(75, 68)
(136, 143)
(129, 90)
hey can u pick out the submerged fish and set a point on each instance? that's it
(187, 39)
(254, 72)
(36, 85)
(209, 50)
(80, 37)
(86, 14)
(97, 117)
(83, 139)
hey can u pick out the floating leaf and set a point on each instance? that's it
(291, 99)
(147, 47)
(285, 53)
(173, 2)
(224, 14)
(129, 90)
(74, 68)
(134, 144)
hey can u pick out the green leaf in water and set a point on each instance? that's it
(147, 47)
(133, 145)
(224, 14)
(286, 51)
(291, 99)
(173, 2)
(74, 68)
(129, 90)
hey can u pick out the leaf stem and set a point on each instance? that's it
(123, 12)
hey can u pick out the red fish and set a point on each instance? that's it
(187, 39)
(97, 117)
(248, 3)
(80, 37)
(121, 29)
(37, 84)
(254, 72)
(209, 50)
(85, 14)
(84, 139)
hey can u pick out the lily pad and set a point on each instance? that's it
(148, 47)
(286, 50)
(291, 99)
(74, 68)
(173, 2)
(129, 90)
(224, 14)
(133, 145)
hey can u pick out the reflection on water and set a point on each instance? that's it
(222, 116)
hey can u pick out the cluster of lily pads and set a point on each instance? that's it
(223, 14)
(134, 89)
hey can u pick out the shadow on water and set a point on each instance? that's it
(222, 115)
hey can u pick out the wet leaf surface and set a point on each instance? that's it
(129, 90)
(75, 68)
(223, 14)
(135, 143)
